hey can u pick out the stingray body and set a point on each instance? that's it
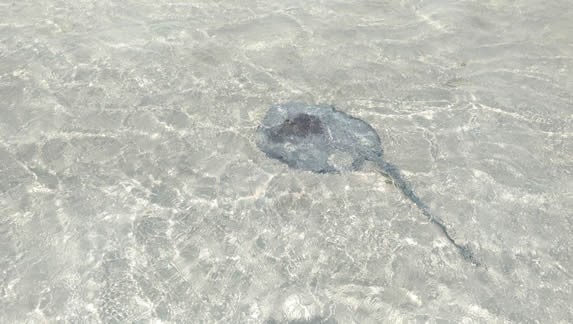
(321, 139)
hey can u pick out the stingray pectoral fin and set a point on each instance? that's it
(358, 163)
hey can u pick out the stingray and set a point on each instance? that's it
(321, 139)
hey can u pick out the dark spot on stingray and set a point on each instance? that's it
(321, 139)
(297, 128)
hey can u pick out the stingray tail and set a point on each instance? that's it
(399, 181)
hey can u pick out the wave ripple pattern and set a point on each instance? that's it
(132, 189)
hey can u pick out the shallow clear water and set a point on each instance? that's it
(132, 190)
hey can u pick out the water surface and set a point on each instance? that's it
(132, 190)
